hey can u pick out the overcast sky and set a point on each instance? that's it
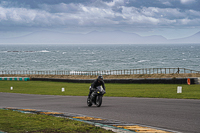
(170, 18)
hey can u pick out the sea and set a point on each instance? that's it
(98, 57)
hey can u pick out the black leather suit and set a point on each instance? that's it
(95, 84)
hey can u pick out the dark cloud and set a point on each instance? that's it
(180, 4)
(36, 3)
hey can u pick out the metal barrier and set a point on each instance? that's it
(127, 81)
(105, 72)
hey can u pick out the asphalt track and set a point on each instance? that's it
(179, 115)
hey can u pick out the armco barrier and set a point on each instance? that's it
(154, 81)
(64, 80)
(15, 78)
(127, 81)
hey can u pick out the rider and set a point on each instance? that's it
(98, 82)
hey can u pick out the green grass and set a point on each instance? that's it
(113, 90)
(17, 122)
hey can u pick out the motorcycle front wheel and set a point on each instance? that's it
(89, 102)
(98, 101)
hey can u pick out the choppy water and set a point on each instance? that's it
(98, 57)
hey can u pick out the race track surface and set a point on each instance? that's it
(181, 115)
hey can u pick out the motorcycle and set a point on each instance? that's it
(96, 97)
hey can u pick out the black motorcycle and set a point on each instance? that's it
(96, 97)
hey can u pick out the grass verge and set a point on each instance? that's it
(114, 90)
(17, 122)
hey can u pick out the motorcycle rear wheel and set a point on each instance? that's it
(98, 101)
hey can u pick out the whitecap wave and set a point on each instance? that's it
(44, 51)
(143, 60)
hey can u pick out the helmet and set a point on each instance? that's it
(100, 78)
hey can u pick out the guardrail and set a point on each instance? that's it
(106, 72)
